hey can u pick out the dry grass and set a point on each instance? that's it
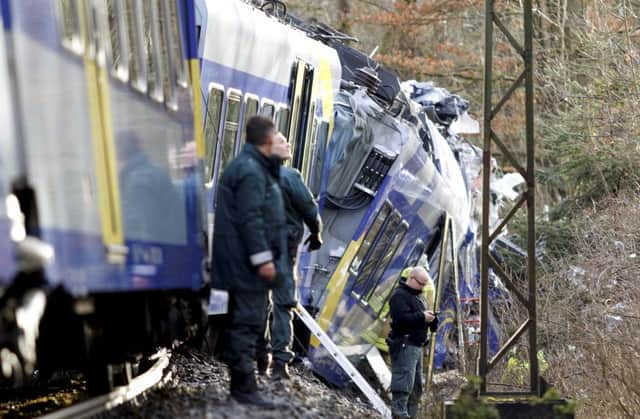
(589, 313)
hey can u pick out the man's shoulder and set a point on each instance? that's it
(289, 174)
(244, 164)
(398, 293)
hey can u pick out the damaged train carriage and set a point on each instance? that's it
(391, 182)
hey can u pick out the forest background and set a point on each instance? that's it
(587, 153)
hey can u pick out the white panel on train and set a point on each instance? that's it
(67, 189)
(242, 37)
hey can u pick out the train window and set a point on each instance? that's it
(229, 134)
(308, 146)
(69, 25)
(154, 50)
(212, 128)
(415, 255)
(251, 103)
(370, 237)
(295, 102)
(268, 109)
(176, 53)
(118, 48)
(282, 119)
(303, 109)
(378, 250)
(319, 152)
(136, 40)
(388, 255)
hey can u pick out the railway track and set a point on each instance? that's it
(119, 395)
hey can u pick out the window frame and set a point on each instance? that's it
(278, 117)
(380, 268)
(157, 92)
(245, 118)
(210, 174)
(228, 95)
(394, 217)
(419, 243)
(176, 29)
(304, 118)
(318, 156)
(134, 15)
(268, 102)
(386, 206)
(74, 43)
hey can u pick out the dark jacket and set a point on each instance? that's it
(249, 226)
(299, 207)
(406, 308)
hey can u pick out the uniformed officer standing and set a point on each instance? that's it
(299, 207)
(410, 321)
(249, 251)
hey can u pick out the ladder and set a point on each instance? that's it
(344, 363)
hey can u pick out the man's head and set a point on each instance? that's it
(418, 278)
(260, 132)
(281, 147)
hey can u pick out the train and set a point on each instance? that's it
(108, 153)
(396, 182)
(122, 117)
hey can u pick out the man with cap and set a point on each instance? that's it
(410, 324)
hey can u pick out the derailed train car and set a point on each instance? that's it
(394, 197)
(104, 116)
(391, 187)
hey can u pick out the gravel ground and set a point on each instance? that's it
(198, 388)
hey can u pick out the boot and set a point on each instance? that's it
(244, 390)
(263, 363)
(280, 371)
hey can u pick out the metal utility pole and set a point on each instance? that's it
(526, 297)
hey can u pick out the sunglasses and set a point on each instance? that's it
(422, 284)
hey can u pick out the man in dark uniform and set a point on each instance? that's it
(249, 251)
(299, 207)
(410, 321)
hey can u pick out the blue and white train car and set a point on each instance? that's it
(106, 110)
(384, 206)
(251, 63)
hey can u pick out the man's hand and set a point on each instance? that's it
(314, 241)
(429, 316)
(267, 271)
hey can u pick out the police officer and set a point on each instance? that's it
(249, 251)
(299, 207)
(410, 321)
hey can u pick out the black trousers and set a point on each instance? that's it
(247, 312)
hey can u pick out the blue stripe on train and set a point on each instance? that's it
(82, 267)
(5, 13)
(213, 72)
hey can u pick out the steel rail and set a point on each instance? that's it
(119, 395)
